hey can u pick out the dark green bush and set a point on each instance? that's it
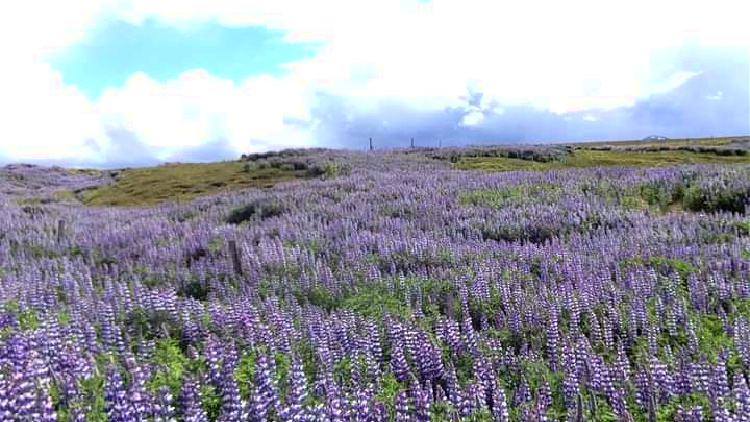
(263, 209)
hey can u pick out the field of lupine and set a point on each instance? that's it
(398, 290)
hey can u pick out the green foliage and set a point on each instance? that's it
(75, 251)
(92, 392)
(711, 334)
(107, 260)
(633, 202)
(319, 296)
(443, 412)
(149, 323)
(667, 411)
(693, 199)
(63, 318)
(215, 244)
(260, 208)
(742, 227)
(464, 365)
(376, 303)
(10, 306)
(307, 354)
(210, 401)
(61, 411)
(331, 169)
(245, 372)
(698, 198)
(171, 365)
(283, 371)
(389, 388)
(716, 238)
(342, 370)
(28, 320)
(682, 267)
(497, 198)
(40, 252)
(185, 216)
(194, 288)
(61, 294)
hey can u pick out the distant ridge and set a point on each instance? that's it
(655, 138)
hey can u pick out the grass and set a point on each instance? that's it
(154, 185)
(669, 142)
(589, 158)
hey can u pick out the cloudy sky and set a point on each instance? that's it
(135, 82)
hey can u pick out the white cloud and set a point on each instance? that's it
(42, 117)
(589, 118)
(557, 56)
(716, 96)
(675, 80)
(197, 107)
(473, 118)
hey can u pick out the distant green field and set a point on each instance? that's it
(153, 185)
(589, 158)
(718, 141)
(185, 181)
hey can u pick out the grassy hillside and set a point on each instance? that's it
(152, 185)
(718, 141)
(589, 158)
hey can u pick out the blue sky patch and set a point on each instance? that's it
(115, 51)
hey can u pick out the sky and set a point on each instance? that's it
(112, 83)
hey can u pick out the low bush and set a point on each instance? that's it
(261, 208)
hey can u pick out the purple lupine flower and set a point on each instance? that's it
(499, 405)
(545, 394)
(115, 397)
(264, 396)
(379, 413)
(448, 332)
(440, 395)
(700, 376)
(466, 402)
(720, 412)
(552, 338)
(360, 407)
(337, 409)
(163, 410)
(422, 407)
(44, 410)
(232, 406)
(398, 363)
(294, 410)
(190, 403)
(523, 393)
(76, 414)
(741, 398)
(137, 397)
(401, 407)
(719, 383)
(451, 384)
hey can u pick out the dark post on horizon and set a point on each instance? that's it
(236, 264)
(60, 231)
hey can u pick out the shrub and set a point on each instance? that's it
(263, 208)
